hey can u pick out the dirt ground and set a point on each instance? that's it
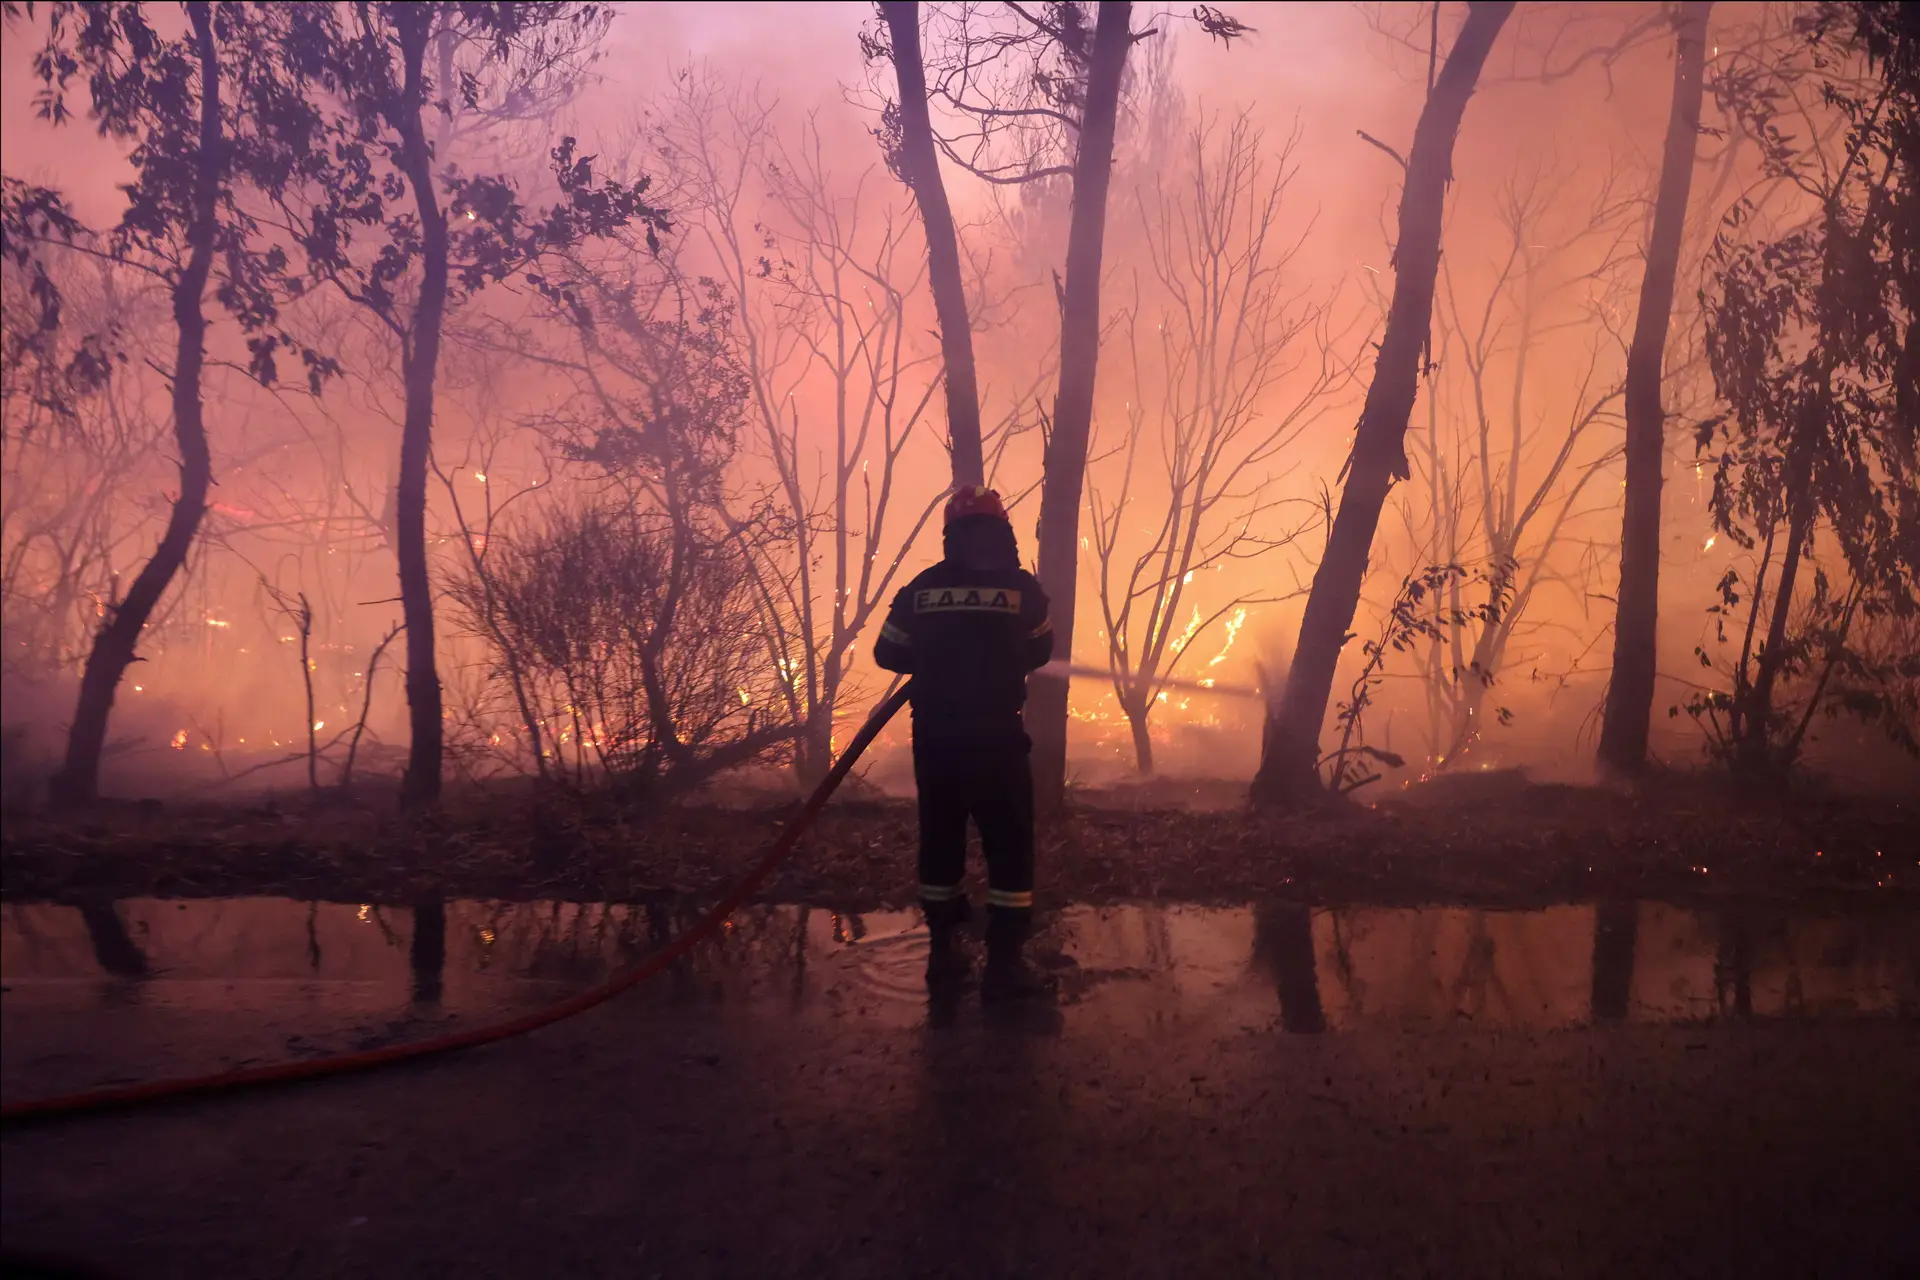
(691, 1142)
(1492, 838)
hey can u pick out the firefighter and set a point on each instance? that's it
(968, 630)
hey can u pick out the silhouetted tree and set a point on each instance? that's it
(1211, 351)
(1623, 732)
(202, 112)
(825, 272)
(1289, 754)
(1811, 340)
(1504, 460)
(906, 133)
(440, 236)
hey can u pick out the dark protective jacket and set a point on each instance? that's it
(968, 630)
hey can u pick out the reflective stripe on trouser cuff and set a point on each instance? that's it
(1007, 898)
(941, 892)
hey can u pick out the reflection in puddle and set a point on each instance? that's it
(1307, 969)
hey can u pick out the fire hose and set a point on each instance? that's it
(119, 1097)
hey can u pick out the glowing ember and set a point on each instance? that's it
(179, 741)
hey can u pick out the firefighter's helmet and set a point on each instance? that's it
(974, 500)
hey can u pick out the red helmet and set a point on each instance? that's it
(974, 500)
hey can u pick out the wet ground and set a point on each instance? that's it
(1622, 1088)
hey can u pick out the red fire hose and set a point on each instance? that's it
(133, 1095)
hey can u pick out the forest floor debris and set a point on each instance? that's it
(1493, 839)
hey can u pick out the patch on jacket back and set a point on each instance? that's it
(967, 600)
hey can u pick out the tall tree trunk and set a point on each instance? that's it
(1752, 752)
(1066, 455)
(78, 781)
(419, 366)
(1289, 753)
(1629, 706)
(920, 168)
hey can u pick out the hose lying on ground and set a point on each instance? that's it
(121, 1096)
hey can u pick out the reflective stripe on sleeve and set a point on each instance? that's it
(1009, 898)
(1046, 625)
(890, 632)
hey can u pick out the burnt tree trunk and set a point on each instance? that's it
(419, 365)
(1629, 706)
(1066, 453)
(1290, 749)
(920, 168)
(78, 780)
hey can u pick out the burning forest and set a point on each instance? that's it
(963, 638)
(411, 402)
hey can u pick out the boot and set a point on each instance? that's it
(1008, 976)
(946, 960)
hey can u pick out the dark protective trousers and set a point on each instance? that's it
(989, 780)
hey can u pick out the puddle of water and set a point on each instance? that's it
(147, 986)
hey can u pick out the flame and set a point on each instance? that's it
(1193, 625)
(1238, 620)
(179, 741)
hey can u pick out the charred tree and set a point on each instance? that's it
(1629, 705)
(1290, 748)
(917, 161)
(1066, 452)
